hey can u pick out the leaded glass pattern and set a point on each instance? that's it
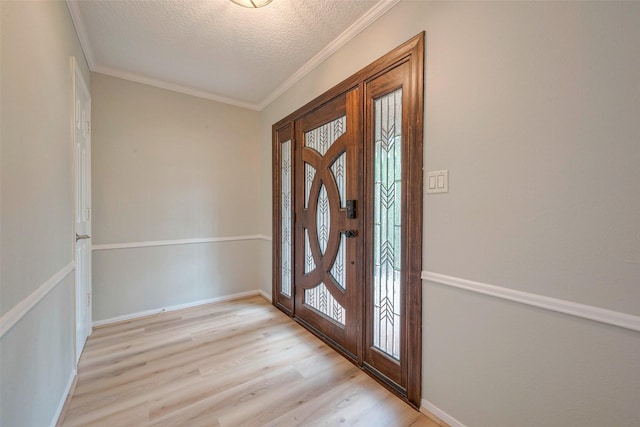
(320, 299)
(309, 263)
(309, 175)
(323, 219)
(285, 218)
(338, 169)
(320, 140)
(322, 137)
(338, 267)
(387, 222)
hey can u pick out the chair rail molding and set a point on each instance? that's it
(13, 316)
(611, 317)
(129, 245)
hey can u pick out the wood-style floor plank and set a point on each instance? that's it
(237, 363)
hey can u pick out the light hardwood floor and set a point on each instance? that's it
(238, 363)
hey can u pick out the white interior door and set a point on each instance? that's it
(82, 174)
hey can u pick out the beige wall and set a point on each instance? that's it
(36, 361)
(532, 107)
(169, 166)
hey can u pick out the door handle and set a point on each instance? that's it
(350, 234)
(82, 236)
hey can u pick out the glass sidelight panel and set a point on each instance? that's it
(285, 220)
(387, 223)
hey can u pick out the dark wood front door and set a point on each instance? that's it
(348, 217)
(328, 242)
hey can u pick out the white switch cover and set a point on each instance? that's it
(438, 182)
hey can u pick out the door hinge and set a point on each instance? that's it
(88, 127)
(88, 300)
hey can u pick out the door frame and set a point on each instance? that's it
(411, 52)
(78, 84)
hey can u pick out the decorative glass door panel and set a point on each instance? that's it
(326, 298)
(283, 270)
(387, 222)
(286, 223)
(389, 161)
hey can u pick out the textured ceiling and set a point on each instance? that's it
(215, 48)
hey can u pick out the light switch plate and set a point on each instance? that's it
(438, 182)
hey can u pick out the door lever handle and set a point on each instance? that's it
(82, 236)
(350, 234)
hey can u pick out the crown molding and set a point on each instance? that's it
(367, 19)
(173, 87)
(78, 23)
(356, 28)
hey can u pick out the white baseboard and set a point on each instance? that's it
(63, 398)
(265, 295)
(429, 408)
(146, 313)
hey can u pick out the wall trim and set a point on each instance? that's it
(186, 90)
(109, 246)
(356, 28)
(438, 415)
(71, 385)
(146, 313)
(13, 316)
(610, 317)
(265, 295)
(81, 31)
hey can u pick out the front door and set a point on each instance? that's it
(328, 238)
(347, 218)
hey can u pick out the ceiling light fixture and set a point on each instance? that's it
(252, 3)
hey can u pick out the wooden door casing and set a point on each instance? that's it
(403, 67)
